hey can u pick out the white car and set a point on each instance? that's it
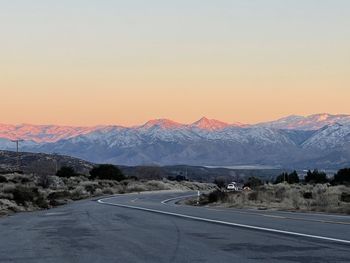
(232, 187)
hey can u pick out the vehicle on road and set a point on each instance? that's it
(232, 186)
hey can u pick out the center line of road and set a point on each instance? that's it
(134, 200)
(176, 198)
(273, 216)
(271, 230)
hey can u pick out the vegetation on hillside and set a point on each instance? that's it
(28, 192)
(316, 192)
(291, 178)
(107, 172)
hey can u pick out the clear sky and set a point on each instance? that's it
(87, 62)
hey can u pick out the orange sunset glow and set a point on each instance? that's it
(115, 63)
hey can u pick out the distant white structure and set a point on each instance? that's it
(232, 186)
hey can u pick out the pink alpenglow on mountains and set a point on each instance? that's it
(312, 122)
(162, 123)
(205, 142)
(54, 133)
(208, 124)
(42, 133)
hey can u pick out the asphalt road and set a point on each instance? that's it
(151, 228)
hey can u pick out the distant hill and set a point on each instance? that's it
(46, 164)
(40, 163)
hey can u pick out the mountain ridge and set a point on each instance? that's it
(205, 142)
(53, 133)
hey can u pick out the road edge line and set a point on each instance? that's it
(271, 230)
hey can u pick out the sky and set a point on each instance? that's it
(92, 62)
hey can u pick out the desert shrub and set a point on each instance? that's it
(19, 179)
(342, 177)
(90, 187)
(155, 185)
(22, 194)
(43, 181)
(107, 191)
(217, 196)
(325, 198)
(307, 195)
(58, 195)
(345, 197)
(42, 202)
(253, 196)
(98, 192)
(136, 188)
(107, 172)
(79, 193)
(316, 177)
(56, 182)
(3, 179)
(280, 192)
(8, 188)
(66, 172)
(132, 177)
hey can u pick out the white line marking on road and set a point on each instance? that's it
(55, 213)
(271, 230)
(273, 216)
(176, 198)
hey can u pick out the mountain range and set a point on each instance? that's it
(315, 141)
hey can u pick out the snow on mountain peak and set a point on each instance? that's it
(210, 124)
(162, 123)
(311, 122)
(41, 133)
(323, 117)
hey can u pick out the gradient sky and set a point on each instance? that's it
(88, 62)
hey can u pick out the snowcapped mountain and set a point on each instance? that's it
(329, 137)
(162, 123)
(209, 124)
(293, 141)
(42, 133)
(312, 122)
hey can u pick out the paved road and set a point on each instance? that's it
(142, 228)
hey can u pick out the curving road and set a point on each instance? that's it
(150, 227)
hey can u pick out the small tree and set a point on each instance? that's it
(253, 182)
(222, 181)
(316, 177)
(107, 172)
(291, 178)
(281, 178)
(66, 171)
(342, 177)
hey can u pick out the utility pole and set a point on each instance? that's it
(56, 161)
(17, 150)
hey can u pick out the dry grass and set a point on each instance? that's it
(320, 198)
(29, 193)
